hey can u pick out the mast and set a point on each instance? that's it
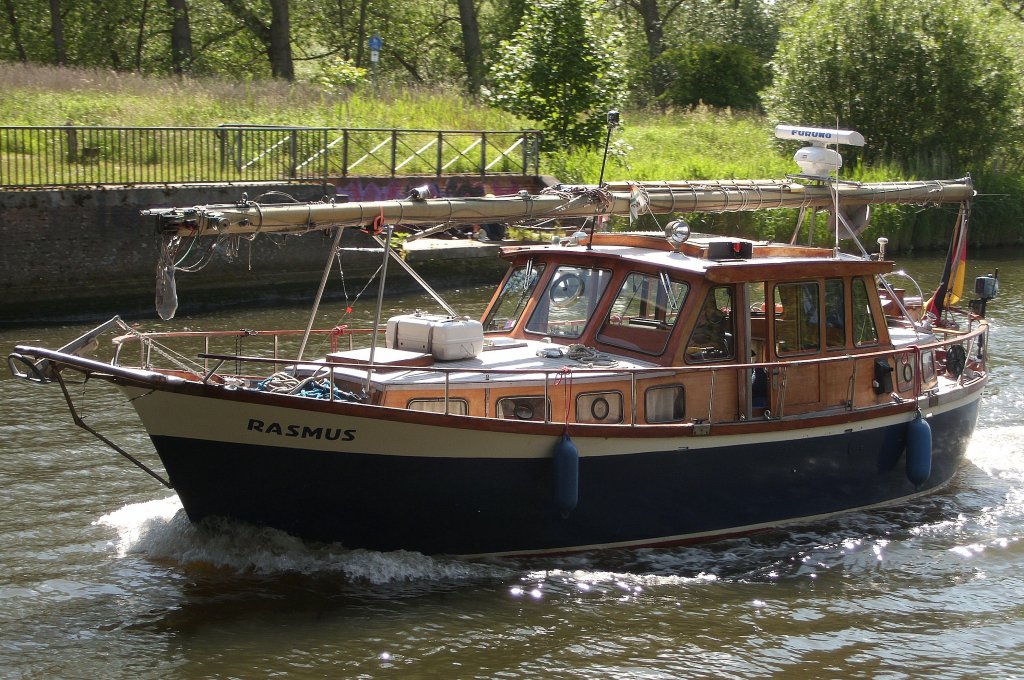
(563, 201)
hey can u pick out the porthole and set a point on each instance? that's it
(523, 408)
(599, 407)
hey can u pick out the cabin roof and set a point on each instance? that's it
(703, 256)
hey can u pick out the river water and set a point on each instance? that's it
(102, 576)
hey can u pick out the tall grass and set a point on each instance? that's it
(47, 95)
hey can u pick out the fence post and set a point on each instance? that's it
(325, 141)
(394, 150)
(293, 152)
(483, 153)
(344, 152)
(524, 141)
(440, 152)
(238, 152)
(72, 134)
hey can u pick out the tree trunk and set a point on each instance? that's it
(140, 38)
(471, 45)
(361, 33)
(19, 46)
(181, 37)
(60, 49)
(654, 32)
(280, 46)
(276, 38)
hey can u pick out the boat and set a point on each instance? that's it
(621, 389)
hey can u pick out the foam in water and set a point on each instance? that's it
(160, 529)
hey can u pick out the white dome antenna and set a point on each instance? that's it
(817, 161)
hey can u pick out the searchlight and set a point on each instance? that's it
(817, 161)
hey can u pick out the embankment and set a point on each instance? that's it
(82, 253)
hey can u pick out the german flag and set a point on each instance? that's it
(951, 285)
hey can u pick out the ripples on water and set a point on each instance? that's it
(929, 589)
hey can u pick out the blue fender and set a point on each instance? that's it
(919, 451)
(566, 476)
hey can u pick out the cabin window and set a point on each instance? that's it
(644, 312)
(864, 330)
(456, 407)
(796, 318)
(512, 300)
(599, 407)
(523, 408)
(927, 369)
(758, 321)
(712, 337)
(665, 404)
(835, 314)
(569, 302)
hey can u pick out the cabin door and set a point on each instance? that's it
(796, 317)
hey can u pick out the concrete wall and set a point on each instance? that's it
(84, 253)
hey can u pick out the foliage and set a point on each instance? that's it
(561, 69)
(922, 79)
(716, 75)
(337, 75)
(754, 24)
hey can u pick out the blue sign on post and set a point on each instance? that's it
(376, 43)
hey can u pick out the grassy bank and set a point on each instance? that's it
(692, 144)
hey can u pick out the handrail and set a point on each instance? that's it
(958, 336)
(41, 365)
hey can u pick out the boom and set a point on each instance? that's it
(617, 198)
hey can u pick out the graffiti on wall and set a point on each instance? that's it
(392, 188)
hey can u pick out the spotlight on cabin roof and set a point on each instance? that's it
(817, 161)
(677, 231)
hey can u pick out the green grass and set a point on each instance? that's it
(692, 144)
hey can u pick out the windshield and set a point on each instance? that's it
(569, 301)
(513, 298)
(643, 314)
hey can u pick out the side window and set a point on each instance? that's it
(712, 336)
(643, 313)
(797, 318)
(665, 404)
(864, 330)
(835, 314)
(564, 309)
(457, 407)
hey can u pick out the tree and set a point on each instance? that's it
(181, 36)
(471, 45)
(60, 49)
(716, 75)
(922, 79)
(275, 36)
(12, 18)
(562, 69)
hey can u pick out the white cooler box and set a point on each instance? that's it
(447, 338)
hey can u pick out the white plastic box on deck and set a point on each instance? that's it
(447, 338)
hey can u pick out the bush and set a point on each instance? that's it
(561, 69)
(717, 75)
(922, 80)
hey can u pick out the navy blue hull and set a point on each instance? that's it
(502, 505)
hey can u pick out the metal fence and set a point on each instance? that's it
(37, 156)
